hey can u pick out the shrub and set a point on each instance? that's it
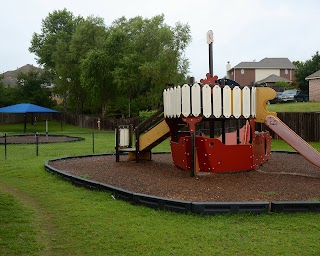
(146, 114)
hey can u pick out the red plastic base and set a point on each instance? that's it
(214, 156)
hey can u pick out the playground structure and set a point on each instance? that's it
(184, 108)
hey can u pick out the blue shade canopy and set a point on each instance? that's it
(26, 108)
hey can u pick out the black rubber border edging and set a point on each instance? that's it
(76, 138)
(205, 208)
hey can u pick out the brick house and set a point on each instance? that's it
(314, 86)
(266, 71)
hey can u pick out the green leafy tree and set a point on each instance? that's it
(93, 67)
(7, 95)
(305, 69)
(152, 58)
(32, 89)
(97, 77)
(89, 34)
(52, 44)
(2, 95)
(57, 29)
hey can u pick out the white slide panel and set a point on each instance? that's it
(196, 99)
(236, 102)
(216, 101)
(178, 107)
(246, 102)
(186, 100)
(206, 100)
(227, 101)
(253, 102)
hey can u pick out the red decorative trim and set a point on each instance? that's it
(191, 121)
(209, 80)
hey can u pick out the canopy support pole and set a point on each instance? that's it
(25, 122)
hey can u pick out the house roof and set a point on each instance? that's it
(10, 77)
(268, 63)
(273, 79)
(315, 75)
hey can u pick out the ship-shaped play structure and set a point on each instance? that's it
(212, 105)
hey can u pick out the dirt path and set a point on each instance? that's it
(43, 218)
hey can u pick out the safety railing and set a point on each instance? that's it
(209, 102)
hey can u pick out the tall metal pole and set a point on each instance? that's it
(210, 60)
(47, 130)
(210, 43)
(25, 122)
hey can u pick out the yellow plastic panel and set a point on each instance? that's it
(154, 134)
(263, 95)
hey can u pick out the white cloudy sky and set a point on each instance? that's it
(244, 30)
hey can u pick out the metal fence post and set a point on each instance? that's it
(5, 146)
(37, 144)
(92, 141)
(117, 143)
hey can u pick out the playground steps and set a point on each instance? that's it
(148, 134)
(127, 149)
(148, 140)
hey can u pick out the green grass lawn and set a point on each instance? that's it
(295, 107)
(50, 216)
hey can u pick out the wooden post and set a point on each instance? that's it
(117, 144)
(137, 144)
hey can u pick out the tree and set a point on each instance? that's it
(89, 34)
(97, 77)
(57, 27)
(93, 66)
(305, 69)
(31, 88)
(52, 44)
(152, 57)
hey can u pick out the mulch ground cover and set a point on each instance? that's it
(285, 177)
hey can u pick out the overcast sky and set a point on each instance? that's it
(244, 30)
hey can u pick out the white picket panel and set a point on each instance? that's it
(174, 103)
(253, 101)
(168, 103)
(216, 101)
(206, 100)
(171, 99)
(184, 100)
(236, 102)
(173, 106)
(164, 98)
(196, 99)
(226, 101)
(185, 95)
(178, 101)
(246, 110)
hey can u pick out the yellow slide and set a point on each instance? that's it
(154, 136)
